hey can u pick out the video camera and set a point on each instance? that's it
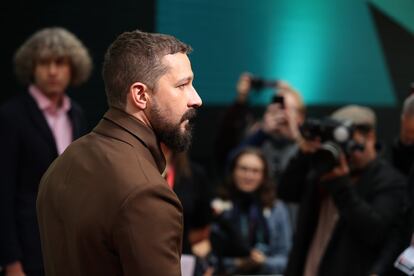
(335, 136)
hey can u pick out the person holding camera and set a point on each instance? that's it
(275, 132)
(279, 130)
(346, 211)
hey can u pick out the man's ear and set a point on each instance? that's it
(138, 93)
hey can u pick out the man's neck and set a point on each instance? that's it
(53, 101)
(363, 167)
(139, 115)
(56, 99)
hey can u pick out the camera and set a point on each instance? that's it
(279, 100)
(258, 84)
(335, 136)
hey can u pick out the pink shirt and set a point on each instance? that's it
(57, 118)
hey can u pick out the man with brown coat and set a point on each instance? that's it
(103, 206)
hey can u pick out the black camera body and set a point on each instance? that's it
(280, 100)
(258, 84)
(335, 136)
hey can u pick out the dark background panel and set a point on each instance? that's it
(98, 23)
(398, 48)
(95, 23)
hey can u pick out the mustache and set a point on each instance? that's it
(189, 115)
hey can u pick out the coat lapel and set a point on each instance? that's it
(36, 115)
(75, 116)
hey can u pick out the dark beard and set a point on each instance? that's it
(171, 134)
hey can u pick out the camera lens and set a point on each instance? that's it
(326, 158)
(341, 134)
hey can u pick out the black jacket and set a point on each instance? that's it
(27, 148)
(367, 211)
(402, 156)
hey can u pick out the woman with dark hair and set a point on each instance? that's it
(251, 233)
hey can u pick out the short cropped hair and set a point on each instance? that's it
(136, 57)
(408, 106)
(55, 42)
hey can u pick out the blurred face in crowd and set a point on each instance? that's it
(52, 75)
(248, 173)
(359, 159)
(407, 129)
(173, 103)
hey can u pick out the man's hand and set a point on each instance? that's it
(281, 120)
(14, 269)
(273, 119)
(257, 256)
(202, 248)
(341, 170)
(245, 264)
(308, 146)
(243, 87)
(293, 124)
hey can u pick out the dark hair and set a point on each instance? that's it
(266, 190)
(136, 56)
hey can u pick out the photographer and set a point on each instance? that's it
(278, 130)
(239, 128)
(346, 212)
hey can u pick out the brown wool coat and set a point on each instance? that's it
(104, 208)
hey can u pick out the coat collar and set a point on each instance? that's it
(39, 120)
(138, 130)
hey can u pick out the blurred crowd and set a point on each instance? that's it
(291, 195)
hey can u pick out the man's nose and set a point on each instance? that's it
(195, 99)
(52, 68)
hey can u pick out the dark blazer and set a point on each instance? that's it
(104, 207)
(27, 148)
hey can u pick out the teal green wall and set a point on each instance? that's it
(329, 50)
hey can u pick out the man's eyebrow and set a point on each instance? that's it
(186, 79)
